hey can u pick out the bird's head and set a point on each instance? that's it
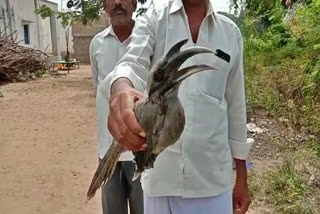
(165, 75)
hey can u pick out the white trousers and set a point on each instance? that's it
(221, 204)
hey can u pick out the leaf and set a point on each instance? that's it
(44, 11)
(316, 47)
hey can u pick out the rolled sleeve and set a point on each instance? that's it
(235, 96)
(241, 150)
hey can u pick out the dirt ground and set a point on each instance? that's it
(48, 146)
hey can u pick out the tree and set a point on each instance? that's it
(83, 11)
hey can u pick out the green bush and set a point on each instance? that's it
(282, 61)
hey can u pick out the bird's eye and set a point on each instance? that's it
(158, 76)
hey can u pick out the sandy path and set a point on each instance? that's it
(47, 145)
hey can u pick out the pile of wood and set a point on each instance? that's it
(18, 63)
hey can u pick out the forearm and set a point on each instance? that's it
(120, 85)
(241, 195)
(241, 170)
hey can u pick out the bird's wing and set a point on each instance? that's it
(105, 168)
(151, 117)
(157, 128)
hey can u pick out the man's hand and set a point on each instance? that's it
(122, 122)
(241, 197)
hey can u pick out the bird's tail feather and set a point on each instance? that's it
(105, 169)
(136, 175)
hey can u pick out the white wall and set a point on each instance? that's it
(49, 30)
(46, 35)
(62, 39)
(22, 12)
(2, 8)
(60, 30)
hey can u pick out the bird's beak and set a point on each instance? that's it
(175, 76)
(176, 60)
(182, 74)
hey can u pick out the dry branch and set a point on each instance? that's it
(17, 62)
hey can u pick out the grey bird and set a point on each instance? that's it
(161, 114)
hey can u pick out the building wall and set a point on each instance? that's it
(48, 30)
(63, 41)
(82, 49)
(3, 16)
(18, 13)
(82, 36)
(48, 34)
(57, 32)
(45, 34)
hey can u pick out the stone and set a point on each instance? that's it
(253, 128)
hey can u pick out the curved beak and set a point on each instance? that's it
(176, 76)
(176, 60)
(168, 66)
(188, 71)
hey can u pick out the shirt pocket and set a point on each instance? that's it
(203, 94)
(210, 83)
(204, 114)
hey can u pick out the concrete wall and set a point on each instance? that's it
(57, 32)
(82, 36)
(3, 17)
(17, 13)
(45, 34)
(63, 41)
(49, 30)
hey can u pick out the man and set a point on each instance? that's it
(106, 49)
(194, 176)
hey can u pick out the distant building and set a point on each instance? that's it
(83, 34)
(17, 18)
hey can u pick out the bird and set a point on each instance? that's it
(160, 114)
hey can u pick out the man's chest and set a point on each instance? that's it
(212, 83)
(194, 24)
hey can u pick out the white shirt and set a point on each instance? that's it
(105, 52)
(199, 164)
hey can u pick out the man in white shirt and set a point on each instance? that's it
(106, 48)
(194, 176)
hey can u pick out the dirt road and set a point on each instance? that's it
(48, 146)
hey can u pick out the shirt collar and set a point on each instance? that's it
(177, 5)
(108, 31)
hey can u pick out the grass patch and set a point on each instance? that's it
(40, 73)
(287, 187)
(293, 185)
(287, 190)
(254, 184)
